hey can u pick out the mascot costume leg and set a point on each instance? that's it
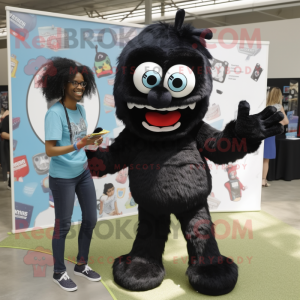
(162, 97)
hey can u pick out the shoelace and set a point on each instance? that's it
(86, 269)
(64, 276)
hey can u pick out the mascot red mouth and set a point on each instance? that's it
(162, 120)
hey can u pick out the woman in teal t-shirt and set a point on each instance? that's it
(65, 139)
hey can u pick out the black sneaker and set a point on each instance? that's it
(65, 282)
(87, 272)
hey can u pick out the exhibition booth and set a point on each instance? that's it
(249, 237)
(98, 45)
(286, 165)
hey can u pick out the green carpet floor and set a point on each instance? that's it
(269, 261)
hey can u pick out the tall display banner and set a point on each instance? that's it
(34, 38)
(239, 72)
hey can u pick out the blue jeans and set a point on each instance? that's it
(63, 191)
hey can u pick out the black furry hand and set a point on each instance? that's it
(260, 126)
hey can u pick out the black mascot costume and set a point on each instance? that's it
(161, 97)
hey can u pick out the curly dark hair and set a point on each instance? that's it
(107, 186)
(58, 71)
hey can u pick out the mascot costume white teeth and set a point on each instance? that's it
(162, 100)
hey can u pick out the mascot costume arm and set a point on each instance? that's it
(240, 136)
(117, 156)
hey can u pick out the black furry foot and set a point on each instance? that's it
(214, 278)
(138, 273)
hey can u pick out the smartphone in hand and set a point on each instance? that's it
(102, 132)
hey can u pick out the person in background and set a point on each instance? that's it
(5, 154)
(65, 140)
(108, 201)
(274, 98)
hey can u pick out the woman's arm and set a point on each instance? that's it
(53, 150)
(53, 133)
(117, 156)
(5, 135)
(101, 208)
(5, 114)
(285, 121)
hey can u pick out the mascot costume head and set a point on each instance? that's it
(159, 95)
(162, 89)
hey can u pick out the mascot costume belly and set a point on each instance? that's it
(161, 97)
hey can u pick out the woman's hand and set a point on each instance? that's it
(95, 140)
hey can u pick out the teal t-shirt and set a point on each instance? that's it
(72, 164)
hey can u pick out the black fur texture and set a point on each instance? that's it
(168, 172)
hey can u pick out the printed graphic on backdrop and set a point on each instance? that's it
(37, 102)
(219, 70)
(15, 144)
(54, 38)
(21, 24)
(213, 112)
(107, 203)
(249, 51)
(213, 202)
(13, 65)
(239, 74)
(41, 163)
(34, 65)
(234, 185)
(256, 72)
(30, 188)
(98, 47)
(233, 82)
(102, 64)
(23, 214)
(21, 167)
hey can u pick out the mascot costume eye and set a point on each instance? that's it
(162, 91)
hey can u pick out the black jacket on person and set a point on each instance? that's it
(4, 127)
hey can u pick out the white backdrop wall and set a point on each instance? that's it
(245, 79)
(235, 79)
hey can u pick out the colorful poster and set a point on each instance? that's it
(23, 215)
(239, 73)
(293, 124)
(33, 39)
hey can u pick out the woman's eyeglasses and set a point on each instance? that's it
(75, 83)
